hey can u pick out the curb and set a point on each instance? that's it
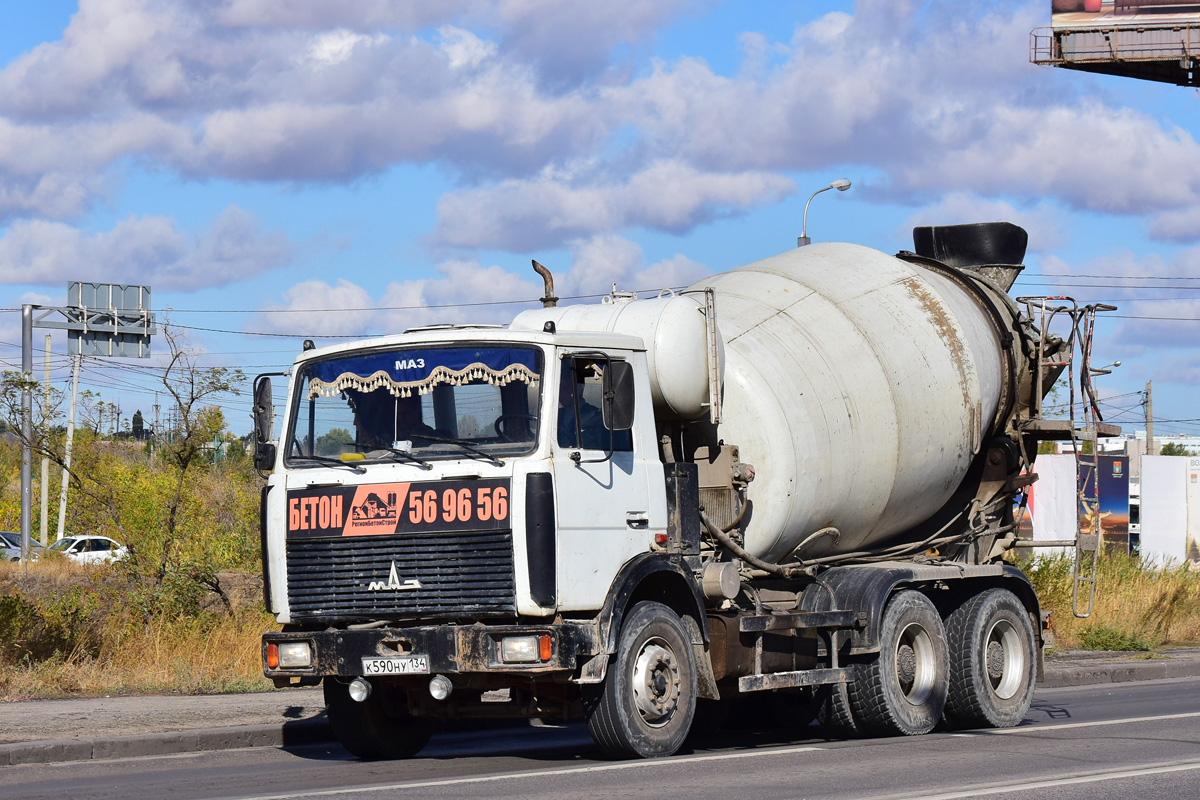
(317, 729)
(1121, 673)
(298, 732)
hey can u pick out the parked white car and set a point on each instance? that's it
(10, 547)
(89, 549)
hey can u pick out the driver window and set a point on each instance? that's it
(580, 397)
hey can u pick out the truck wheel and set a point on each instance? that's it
(380, 726)
(992, 660)
(903, 689)
(834, 714)
(645, 705)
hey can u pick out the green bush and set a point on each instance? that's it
(1102, 637)
(42, 629)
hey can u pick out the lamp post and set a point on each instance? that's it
(841, 184)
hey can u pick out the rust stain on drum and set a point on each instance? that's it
(941, 320)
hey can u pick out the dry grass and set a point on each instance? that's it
(188, 656)
(1137, 607)
(68, 632)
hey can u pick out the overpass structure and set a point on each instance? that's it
(1153, 40)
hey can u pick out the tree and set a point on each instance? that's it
(158, 510)
(139, 425)
(189, 386)
(1175, 449)
(334, 442)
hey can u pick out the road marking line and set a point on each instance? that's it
(683, 760)
(984, 790)
(1070, 725)
(652, 762)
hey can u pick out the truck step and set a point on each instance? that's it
(787, 680)
(803, 619)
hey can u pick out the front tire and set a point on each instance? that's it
(380, 727)
(646, 704)
(903, 689)
(992, 661)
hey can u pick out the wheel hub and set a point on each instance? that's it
(906, 667)
(1004, 659)
(916, 667)
(995, 662)
(656, 683)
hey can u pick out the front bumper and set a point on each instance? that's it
(451, 649)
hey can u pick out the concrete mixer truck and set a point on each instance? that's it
(800, 477)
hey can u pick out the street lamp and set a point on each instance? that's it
(841, 184)
(1105, 370)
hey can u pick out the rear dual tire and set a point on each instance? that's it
(992, 661)
(902, 690)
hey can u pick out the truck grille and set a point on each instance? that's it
(462, 575)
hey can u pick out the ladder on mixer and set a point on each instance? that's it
(1083, 433)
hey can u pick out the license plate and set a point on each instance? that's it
(403, 665)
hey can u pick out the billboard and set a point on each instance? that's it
(1150, 40)
(1192, 493)
(1113, 492)
(1075, 13)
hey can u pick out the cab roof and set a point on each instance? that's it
(453, 334)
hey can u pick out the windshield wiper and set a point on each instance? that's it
(333, 462)
(370, 448)
(470, 448)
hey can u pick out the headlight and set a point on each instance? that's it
(519, 649)
(294, 654)
(525, 649)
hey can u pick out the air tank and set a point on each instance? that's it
(674, 330)
(859, 385)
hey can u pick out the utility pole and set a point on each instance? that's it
(1149, 421)
(26, 425)
(45, 519)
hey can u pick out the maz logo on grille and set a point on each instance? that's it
(393, 582)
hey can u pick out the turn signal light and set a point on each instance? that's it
(272, 656)
(544, 647)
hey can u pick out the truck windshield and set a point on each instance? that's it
(415, 405)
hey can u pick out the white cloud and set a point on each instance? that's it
(142, 250)
(316, 308)
(1151, 313)
(599, 262)
(466, 291)
(335, 47)
(557, 206)
(552, 137)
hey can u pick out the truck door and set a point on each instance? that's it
(604, 513)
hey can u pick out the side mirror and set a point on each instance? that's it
(618, 396)
(264, 423)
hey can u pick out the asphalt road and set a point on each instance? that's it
(1112, 741)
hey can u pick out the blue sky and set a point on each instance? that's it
(262, 164)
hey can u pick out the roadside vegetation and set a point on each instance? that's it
(1138, 606)
(183, 612)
